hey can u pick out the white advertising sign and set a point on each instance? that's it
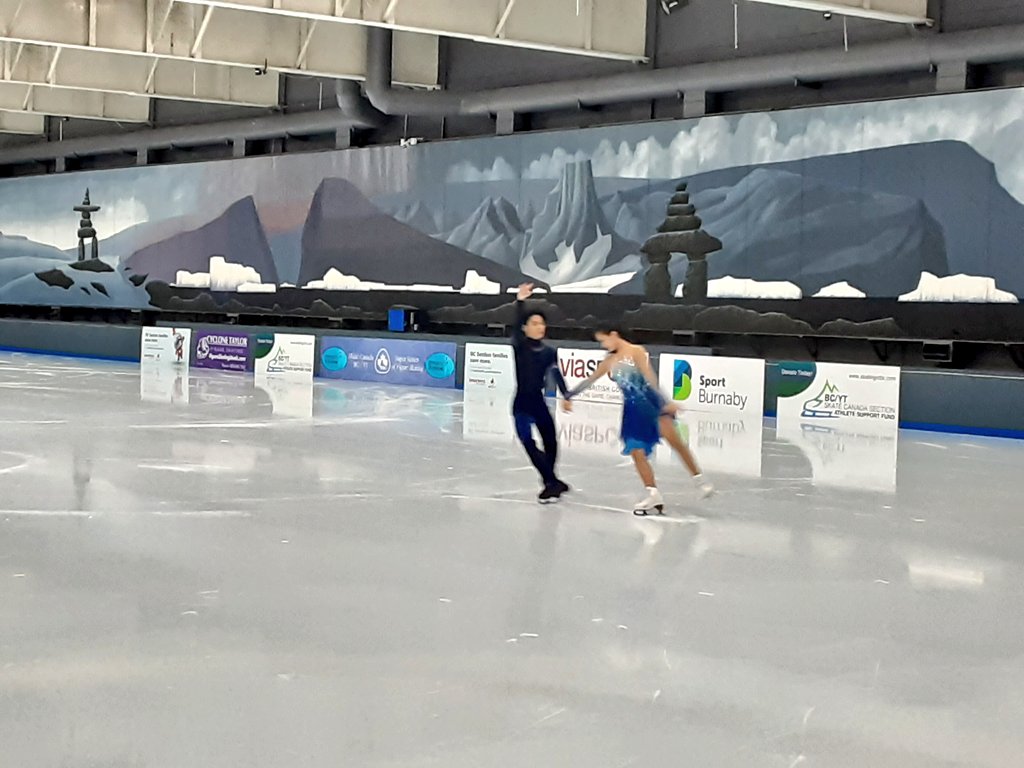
(489, 368)
(831, 394)
(165, 346)
(285, 355)
(577, 364)
(720, 384)
(723, 443)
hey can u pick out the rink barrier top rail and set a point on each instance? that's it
(954, 401)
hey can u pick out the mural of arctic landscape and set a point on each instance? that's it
(919, 200)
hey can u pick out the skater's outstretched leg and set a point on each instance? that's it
(671, 436)
(643, 468)
(524, 431)
(549, 437)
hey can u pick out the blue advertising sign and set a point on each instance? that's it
(389, 361)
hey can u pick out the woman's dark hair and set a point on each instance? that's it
(609, 328)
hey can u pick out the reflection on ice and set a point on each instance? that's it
(163, 384)
(289, 397)
(855, 457)
(487, 416)
(724, 443)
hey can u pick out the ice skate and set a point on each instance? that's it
(705, 487)
(561, 488)
(653, 502)
(549, 494)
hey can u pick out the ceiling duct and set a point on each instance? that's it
(352, 111)
(918, 54)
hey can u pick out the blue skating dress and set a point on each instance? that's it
(642, 406)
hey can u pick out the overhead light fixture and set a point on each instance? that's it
(896, 11)
(668, 6)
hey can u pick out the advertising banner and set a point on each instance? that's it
(489, 368)
(714, 384)
(221, 351)
(577, 364)
(165, 346)
(389, 361)
(831, 393)
(284, 355)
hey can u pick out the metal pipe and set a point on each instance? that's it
(351, 111)
(922, 53)
(904, 55)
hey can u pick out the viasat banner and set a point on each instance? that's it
(284, 355)
(222, 351)
(830, 393)
(165, 346)
(489, 368)
(389, 361)
(714, 384)
(577, 364)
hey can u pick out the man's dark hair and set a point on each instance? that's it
(531, 313)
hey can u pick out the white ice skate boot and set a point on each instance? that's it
(704, 486)
(652, 503)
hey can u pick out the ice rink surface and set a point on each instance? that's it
(197, 571)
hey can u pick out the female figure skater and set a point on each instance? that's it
(647, 417)
(535, 361)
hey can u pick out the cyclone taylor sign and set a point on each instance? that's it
(828, 393)
(221, 351)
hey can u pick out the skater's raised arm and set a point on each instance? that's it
(525, 291)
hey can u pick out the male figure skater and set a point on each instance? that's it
(534, 361)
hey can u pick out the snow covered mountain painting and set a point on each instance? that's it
(919, 200)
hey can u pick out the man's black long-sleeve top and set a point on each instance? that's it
(534, 361)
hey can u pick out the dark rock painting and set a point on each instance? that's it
(346, 232)
(236, 234)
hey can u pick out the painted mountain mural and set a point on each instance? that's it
(880, 198)
(779, 226)
(346, 232)
(236, 234)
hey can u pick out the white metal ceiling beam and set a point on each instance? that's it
(898, 11)
(88, 70)
(68, 102)
(25, 123)
(617, 29)
(150, 28)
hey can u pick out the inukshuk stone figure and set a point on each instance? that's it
(86, 231)
(680, 233)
